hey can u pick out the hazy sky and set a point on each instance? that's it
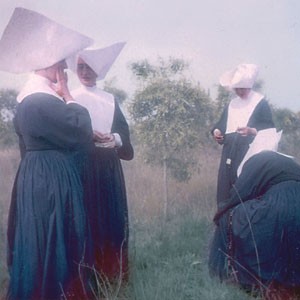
(213, 35)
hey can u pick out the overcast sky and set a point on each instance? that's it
(212, 35)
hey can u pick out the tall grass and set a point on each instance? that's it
(170, 262)
(168, 259)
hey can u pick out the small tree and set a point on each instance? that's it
(170, 115)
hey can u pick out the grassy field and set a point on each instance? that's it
(168, 258)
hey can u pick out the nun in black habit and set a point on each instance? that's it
(240, 121)
(104, 182)
(47, 220)
(256, 241)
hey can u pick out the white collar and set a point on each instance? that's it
(252, 99)
(36, 84)
(89, 88)
(240, 111)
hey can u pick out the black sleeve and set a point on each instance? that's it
(259, 173)
(121, 127)
(261, 117)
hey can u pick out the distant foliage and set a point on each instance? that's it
(223, 98)
(289, 123)
(8, 105)
(166, 68)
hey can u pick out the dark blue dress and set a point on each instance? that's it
(107, 203)
(47, 220)
(235, 146)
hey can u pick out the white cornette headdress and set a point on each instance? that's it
(243, 76)
(266, 139)
(32, 41)
(101, 60)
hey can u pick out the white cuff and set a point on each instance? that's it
(118, 140)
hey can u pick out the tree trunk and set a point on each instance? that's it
(165, 183)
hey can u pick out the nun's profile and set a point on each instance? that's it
(240, 121)
(47, 221)
(104, 181)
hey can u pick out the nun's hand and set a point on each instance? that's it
(245, 131)
(61, 85)
(218, 136)
(104, 140)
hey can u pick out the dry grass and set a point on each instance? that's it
(172, 251)
(145, 189)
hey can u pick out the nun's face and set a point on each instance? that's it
(51, 72)
(242, 92)
(85, 73)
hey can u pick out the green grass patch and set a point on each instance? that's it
(169, 261)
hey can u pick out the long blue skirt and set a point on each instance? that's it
(107, 214)
(47, 228)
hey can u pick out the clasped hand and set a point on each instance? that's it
(105, 140)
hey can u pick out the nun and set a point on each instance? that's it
(242, 118)
(47, 221)
(104, 180)
(256, 241)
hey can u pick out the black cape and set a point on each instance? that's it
(257, 237)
